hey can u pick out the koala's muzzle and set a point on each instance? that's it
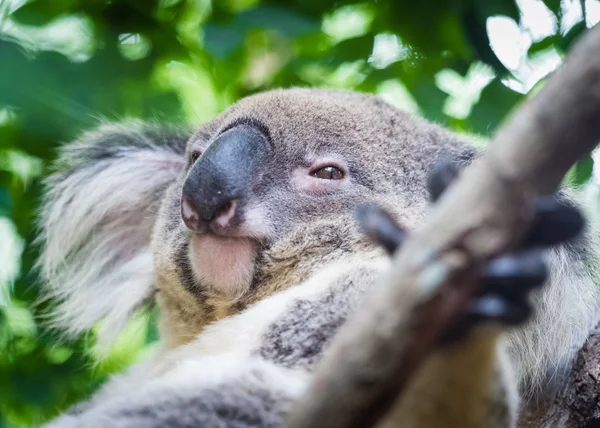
(219, 183)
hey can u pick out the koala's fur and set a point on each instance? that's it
(114, 240)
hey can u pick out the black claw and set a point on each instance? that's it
(555, 222)
(381, 227)
(497, 308)
(444, 172)
(506, 281)
(515, 275)
(488, 308)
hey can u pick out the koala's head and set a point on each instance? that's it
(251, 203)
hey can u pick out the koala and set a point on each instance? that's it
(243, 233)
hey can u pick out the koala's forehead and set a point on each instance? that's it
(311, 118)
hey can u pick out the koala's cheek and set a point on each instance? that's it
(225, 265)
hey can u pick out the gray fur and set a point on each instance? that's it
(299, 338)
(388, 154)
(96, 222)
(566, 311)
(217, 393)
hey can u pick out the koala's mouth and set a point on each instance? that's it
(223, 249)
(221, 263)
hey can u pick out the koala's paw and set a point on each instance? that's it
(506, 281)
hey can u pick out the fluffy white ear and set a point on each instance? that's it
(96, 223)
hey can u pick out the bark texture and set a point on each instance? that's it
(577, 403)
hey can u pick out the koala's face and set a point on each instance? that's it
(281, 162)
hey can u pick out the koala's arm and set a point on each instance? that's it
(465, 387)
(249, 370)
(224, 391)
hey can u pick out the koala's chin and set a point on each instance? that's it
(223, 264)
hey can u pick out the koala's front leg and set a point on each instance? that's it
(468, 381)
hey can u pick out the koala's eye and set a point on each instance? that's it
(195, 155)
(328, 173)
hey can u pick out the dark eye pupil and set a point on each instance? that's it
(195, 156)
(328, 173)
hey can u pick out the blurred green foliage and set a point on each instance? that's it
(66, 64)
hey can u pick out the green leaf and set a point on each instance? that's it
(20, 321)
(554, 6)
(542, 45)
(476, 33)
(222, 40)
(566, 42)
(58, 354)
(287, 22)
(489, 8)
(495, 103)
(350, 50)
(5, 202)
(429, 98)
(583, 171)
(42, 12)
(474, 19)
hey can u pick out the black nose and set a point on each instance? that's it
(222, 178)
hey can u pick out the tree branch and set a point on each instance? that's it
(576, 404)
(481, 216)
